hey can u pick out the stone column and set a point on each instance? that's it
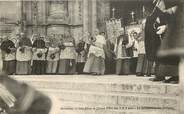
(71, 11)
(21, 14)
(85, 16)
(103, 9)
(89, 15)
(94, 15)
(42, 17)
(76, 13)
(43, 11)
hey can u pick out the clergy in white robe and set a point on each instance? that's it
(52, 58)
(133, 42)
(144, 66)
(122, 53)
(67, 62)
(24, 56)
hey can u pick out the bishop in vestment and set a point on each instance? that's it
(95, 63)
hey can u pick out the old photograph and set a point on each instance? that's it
(91, 56)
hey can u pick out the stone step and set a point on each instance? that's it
(119, 84)
(117, 112)
(123, 99)
(68, 107)
(125, 91)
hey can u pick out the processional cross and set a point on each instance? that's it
(113, 12)
(133, 15)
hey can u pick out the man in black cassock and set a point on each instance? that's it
(39, 56)
(9, 51)
(172, 43)
(159, 28)
(81, 56)
(110, 63)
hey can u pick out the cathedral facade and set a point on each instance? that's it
(58, 17)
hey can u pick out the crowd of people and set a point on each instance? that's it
(134, 53)
(91, 54)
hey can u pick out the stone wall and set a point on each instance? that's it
(103, 9)
(9, 16)
(57, 17)
(54, 17)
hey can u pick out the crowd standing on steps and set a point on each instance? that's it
(140, 53)
(92, 54)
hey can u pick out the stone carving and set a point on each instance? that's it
(113, 26)
(58, 10)
(9, 16)
(57, 31)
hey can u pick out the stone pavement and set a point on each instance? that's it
(108, 94)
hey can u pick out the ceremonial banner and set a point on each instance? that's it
(133, 28)
(112, 28)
